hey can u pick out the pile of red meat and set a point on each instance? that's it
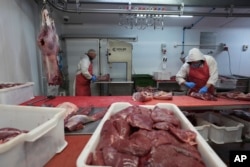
(142, 137)
(237, 95)
(203, 96)
(105, 77)
(144, 96)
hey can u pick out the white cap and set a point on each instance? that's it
(194, 55)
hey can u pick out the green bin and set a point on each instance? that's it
(143, 80)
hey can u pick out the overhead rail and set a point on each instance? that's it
(152, 7)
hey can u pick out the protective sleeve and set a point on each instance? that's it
(83, 67)
(213, 70)
(181, 75)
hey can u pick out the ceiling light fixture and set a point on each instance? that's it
(182, 16)
(141, 17)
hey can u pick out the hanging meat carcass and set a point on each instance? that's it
(49, 46)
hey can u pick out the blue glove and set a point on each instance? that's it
(190, 84)
(93, 78)
(203, 90)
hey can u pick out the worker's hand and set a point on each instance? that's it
(203, 90)
(190, 84)
(93, 79)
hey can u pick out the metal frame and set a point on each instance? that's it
(105, 7)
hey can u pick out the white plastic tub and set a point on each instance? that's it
(44, 139)
(162, 75)
(17, 94)
(203, 127)
(210, 158)
(246, 128)
(222, 129)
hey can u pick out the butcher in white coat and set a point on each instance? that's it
(199, 73)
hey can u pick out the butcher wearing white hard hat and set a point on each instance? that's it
(199, 73)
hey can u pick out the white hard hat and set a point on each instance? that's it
(194, 55)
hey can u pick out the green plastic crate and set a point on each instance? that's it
(143, 80)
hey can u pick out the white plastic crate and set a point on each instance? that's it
(162, 75)
(203, 127)
(209, 157)
(44, 139)
(246, 128)
(17, 94)
(222, 129)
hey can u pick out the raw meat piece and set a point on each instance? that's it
(177, 157)
(124, 113)
(142, 110)
(162, 125)
(140, 120)
(162, 95)
(235, 95)
(105, 77)
(142, 96)
(203, 96)
(116, 159)
(75, 118)
(186, 136)
(108, 135)
(244, 96)
(8, 133)
(99, 114)
(76, 122)
(71, 109)
(188, 149)
(158, 110)
(49, 46)
(122, 127)
(158, 137)
(95, 158)
(164, 115)
(137, 144)
(84, 110)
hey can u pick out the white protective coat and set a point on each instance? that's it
(196, 55)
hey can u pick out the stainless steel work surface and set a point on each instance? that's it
(90, 127)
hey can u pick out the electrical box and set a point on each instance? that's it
(164, 55)
(244, 48)
(163, 49)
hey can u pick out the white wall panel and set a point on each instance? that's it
(18, 50)
(147, 50)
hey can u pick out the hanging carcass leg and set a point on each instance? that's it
(49, 46)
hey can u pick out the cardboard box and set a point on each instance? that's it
(17, 94)
(210, 158)
(44, 139)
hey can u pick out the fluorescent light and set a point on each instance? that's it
(184, 16)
